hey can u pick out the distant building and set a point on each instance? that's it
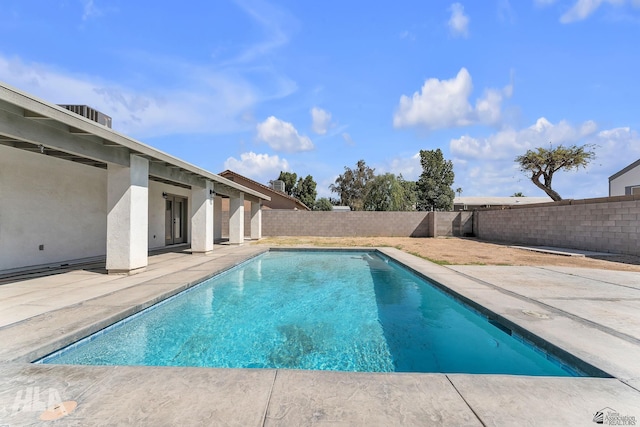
(279, 199)
(625, 182)
(341, 209)
(471, 203)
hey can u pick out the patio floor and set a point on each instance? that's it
(591, 314)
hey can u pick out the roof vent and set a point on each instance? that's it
(278, 185)
(89, 113)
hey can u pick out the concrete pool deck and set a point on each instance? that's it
(591, 314)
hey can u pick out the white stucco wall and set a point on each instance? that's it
(63, 206)
(52, 202)
(631, 178)
(156, 211)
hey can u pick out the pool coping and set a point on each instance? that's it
(622, 390)
(428, 272)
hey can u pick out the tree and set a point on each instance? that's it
(385, 193)
(289, 179)
(543, 163)
(410, 194)
(434, 185)
(518, 194)
(459, 191)
(305, 191)
(323, 204)
(351, 186)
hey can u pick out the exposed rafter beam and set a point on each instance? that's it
(32, 115)
(174, 175)
(78, 131)
(34, 132)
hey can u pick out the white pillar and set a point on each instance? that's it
(217, 219)
(202, 218)
(127, 216)
(256, 221)
(236, 219)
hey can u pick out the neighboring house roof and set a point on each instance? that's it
(625, 170)
(499, 201)
(229, 174)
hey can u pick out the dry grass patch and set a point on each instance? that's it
(459, 251)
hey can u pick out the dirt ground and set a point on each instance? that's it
(461, 251)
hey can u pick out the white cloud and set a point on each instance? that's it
(409, 167)
(212, 102)
(508, 143)
(321, 120)
(282, 136)
(90, 10)
(486, 166)
(276, 23)
(506, 12)
(582, 9)
(458, 22)
(347, 138)
(259, 167)
(445, 104)
(407, 35)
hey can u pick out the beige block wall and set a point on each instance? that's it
(247, 222)
(603, 225)
(365, 224)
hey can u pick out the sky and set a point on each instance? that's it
(313, 86)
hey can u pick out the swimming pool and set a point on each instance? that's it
(328, 310)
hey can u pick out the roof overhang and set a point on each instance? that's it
(625, 170)
(31, 124)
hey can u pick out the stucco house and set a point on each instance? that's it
(279, 200)
(626, 181)
(72, 188)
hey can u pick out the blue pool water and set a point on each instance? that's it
(329, 310)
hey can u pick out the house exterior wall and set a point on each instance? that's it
(610, 224)
(157, 208)
(52, 202)
(619, 185)
(63, 206)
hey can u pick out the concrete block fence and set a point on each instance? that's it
(610, 224)
(365, 224)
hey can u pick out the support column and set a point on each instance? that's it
(217, 219)
(256, 221)
(236, 219)
(127, 216)
(202, 218)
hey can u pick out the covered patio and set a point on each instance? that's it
(73, 188)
